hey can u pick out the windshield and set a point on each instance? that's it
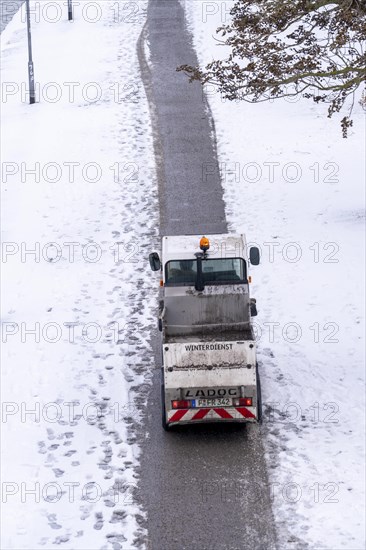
(214, 271)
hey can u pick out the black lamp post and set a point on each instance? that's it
(32, 93)
(69, 9)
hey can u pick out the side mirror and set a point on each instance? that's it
(253, 307)
(254, 256)
(155, 262)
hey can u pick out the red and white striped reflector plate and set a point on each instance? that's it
(188, 415)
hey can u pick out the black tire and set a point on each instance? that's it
(163, 410)
(259, 397)
(160, 321)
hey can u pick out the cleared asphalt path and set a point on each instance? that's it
(204, 487)
(191, 193)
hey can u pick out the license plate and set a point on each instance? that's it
(218, 402)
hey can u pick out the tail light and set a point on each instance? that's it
(243, 402)
(181, 404)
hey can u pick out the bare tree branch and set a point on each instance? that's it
(314, 47)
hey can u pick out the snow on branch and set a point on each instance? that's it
(284, 48)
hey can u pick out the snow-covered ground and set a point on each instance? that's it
(79, 216)
(296, 188)
(88, 211)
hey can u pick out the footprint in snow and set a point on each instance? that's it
(115, 539)
(100, 522)
(108, 453)
(91, 450)
(50, 460)
(55, 525)
(109, 503)
(70, 452)
(62, 539)
(110, 473)
(85, 512)
(52, 522)
(102, 382)
(268, 352)
(118, 516)
(51, 434)
(117, 438)
(42, 447)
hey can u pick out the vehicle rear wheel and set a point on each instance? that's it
(163, 410)
(259, 397)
